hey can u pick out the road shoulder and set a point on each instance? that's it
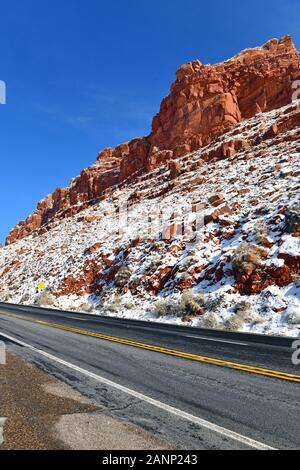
(46, 414)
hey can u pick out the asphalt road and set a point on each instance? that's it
(194, 388)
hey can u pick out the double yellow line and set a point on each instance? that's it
(170, 352)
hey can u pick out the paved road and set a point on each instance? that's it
(194, 388)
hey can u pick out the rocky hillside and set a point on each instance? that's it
(198, 222)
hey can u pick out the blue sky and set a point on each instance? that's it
(83, 75)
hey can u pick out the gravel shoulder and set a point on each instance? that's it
(43, 413)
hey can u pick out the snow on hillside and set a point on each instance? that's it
(208, 248)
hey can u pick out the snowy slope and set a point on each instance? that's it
(122, 256)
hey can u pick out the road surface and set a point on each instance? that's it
(194, 388)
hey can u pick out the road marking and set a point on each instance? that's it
(170, 352)
(217, 340)
(74, 318)
(158, 404)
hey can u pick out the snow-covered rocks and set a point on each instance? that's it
(112, 258)
(220, 221)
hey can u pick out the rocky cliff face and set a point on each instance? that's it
(197, 223)
(205, 101)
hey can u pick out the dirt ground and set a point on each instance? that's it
(43, 413)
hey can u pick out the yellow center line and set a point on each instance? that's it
(171, 352)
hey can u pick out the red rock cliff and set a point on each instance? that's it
(204, 102)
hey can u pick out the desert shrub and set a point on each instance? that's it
(99, 306)
(86, 307)
(248, 257)
(292, 219)
(45, 298)
(184, 278)
(260, 232)
(242, 315)
(167, 307)
(153, 263)
(24, 299)
(128, 305)
(6, 296)
(135, 281)
(210, 320)
(265, 210)
(189, 261)
(243, 307)
(212, 304)
(191, 304)
(113, 306)
(293, 315)
(122, 277)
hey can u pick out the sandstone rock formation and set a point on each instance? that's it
(221, 222)
(204, 102)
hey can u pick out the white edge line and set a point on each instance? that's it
(217, 340)
(74, 318)
(158, 404)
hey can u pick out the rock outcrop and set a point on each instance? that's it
(204, 102)
(211, 238)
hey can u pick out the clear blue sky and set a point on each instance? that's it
(85, 74)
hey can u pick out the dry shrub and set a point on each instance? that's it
(6, 296)
(213, 304)
(128, 305)
(248, 257)
(113, 306)
(154, 263)
(242, 315)
(45, 298)
(211, 321)
(190, 304)
(260, 232)
(86, 307)
(122, 277)
(189, 261)
(292, 219)
(167, 307)
(25, 298)
(293, 315)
